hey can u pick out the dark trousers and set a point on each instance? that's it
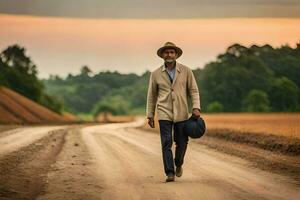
(181, 141)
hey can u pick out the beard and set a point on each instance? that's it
(169, 60)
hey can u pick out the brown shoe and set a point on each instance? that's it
(170, 178)
(178, 171)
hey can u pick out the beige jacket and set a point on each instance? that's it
(170, 99)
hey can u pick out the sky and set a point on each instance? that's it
(61, 36)
(154, 8)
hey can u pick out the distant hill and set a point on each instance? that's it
(17, 109)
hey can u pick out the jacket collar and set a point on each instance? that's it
(177, 66)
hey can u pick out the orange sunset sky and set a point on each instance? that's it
(62, 44)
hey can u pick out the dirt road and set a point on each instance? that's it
(17, 138)
(118, 161)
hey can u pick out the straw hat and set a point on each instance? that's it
(169, 45)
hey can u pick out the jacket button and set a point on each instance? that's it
(172, 89)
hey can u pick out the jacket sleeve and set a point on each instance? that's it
(151, 96)
(193, 90)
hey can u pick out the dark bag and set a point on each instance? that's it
(194, 127)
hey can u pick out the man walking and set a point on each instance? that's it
(168, 91)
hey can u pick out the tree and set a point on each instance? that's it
(14, 56)
(256, 101)
(117, 105)
(104, 107)
(19, 73)
(284, 95)
(236, 72)
(85, 71)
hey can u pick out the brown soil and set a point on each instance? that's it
(281, 144)
(17, 109)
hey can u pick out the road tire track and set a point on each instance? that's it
(22, 172)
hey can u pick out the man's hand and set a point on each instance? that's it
(151, 122)
(196, 113)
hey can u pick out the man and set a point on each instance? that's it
(169, 87)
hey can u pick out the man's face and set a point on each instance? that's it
(169, 55)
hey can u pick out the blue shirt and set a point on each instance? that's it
(171, 72)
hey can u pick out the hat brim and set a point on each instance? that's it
(177, 49)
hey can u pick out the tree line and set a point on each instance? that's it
(254, 79)
(242, 79)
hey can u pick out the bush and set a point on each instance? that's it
(256, 101)
(116, 105)
(215, 107)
